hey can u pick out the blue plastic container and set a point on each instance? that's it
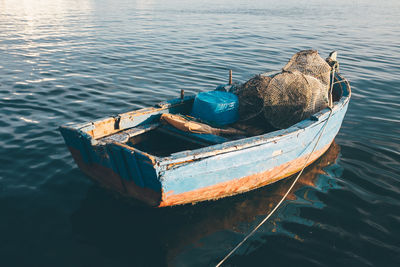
(216, 107)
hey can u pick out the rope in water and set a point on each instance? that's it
(290, 188)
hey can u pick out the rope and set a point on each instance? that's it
(290, 188)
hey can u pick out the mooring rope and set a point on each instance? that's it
(292, 185)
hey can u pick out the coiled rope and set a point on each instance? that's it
(292, 185)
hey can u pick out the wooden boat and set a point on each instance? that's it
(139, 157)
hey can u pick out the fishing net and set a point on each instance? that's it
(301, 89)
(251, 96)
(309, 62)
(292, 97)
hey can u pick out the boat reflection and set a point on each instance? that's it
(141, 236)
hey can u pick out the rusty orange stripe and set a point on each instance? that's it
(107, 178)
(240, 185)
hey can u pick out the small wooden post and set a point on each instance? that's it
(330, 100)
(230, 77)
(182, 94)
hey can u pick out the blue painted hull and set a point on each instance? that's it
(206, 173)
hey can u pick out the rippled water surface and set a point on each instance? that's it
(66, 60)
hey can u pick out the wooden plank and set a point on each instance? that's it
(124, 136)
(202, 139)
(111, 125)
(141, 164)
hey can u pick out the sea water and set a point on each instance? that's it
(75, 61)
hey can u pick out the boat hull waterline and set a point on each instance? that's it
(207, 173)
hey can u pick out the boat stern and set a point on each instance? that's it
(115, 166)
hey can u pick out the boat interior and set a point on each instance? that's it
(143, 130)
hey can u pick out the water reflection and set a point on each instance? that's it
(142, 236)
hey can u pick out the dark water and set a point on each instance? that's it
(63, 61)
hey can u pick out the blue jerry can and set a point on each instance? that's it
(216, 107)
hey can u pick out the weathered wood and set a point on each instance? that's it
(123, 137)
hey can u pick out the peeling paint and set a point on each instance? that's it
(277, 152)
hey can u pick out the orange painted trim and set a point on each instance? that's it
(240, 185)
(108, 179)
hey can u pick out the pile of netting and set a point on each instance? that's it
(300, 90)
